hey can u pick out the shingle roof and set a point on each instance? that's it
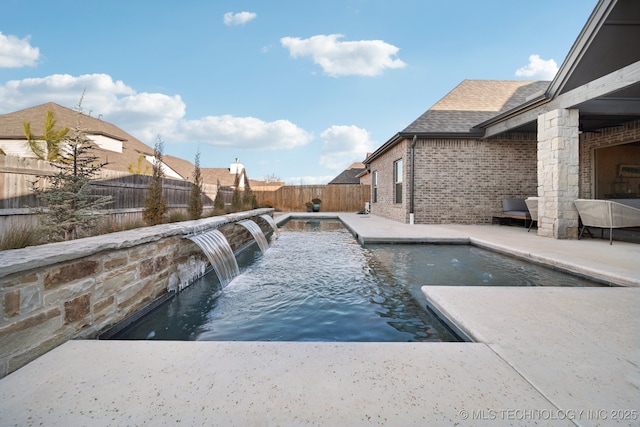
(218, 175)
(11, 127)
(473, 102)
(183, 167)
(349, 175)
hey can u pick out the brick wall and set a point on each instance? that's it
(589, 141)
(385, 206)
(458, 180)
(80, 297)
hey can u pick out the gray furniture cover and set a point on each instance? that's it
(515, 208)
(607, 214)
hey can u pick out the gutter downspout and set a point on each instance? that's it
(413, 174)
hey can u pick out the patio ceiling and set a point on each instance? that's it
(615, 45)
(608, 43)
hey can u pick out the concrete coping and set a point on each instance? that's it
(17, 260)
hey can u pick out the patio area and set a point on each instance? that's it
(547, 356)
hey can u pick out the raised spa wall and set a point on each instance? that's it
(78, 289)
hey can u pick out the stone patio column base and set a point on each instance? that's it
(558, 167)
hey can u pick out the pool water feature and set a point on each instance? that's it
(272, 222)
(218, 250)
(316, 283)
(257, 234)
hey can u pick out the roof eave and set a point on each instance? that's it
(579, 47)
(108, 135)
(473, 133)
(530, 104)
(383, 148)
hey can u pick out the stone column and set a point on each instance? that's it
(558, 162)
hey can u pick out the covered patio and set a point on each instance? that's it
(588, 120)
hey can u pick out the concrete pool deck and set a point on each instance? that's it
(541, 356)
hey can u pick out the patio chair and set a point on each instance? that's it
(532, 205)
(607, 214)
(515, 209)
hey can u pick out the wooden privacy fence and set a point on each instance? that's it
(128, 191)
(335, 198)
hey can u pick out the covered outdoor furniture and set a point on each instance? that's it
(513, 209)
(532, 205)
(608, 214)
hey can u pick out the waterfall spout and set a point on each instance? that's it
(217, 249)
(272, 223)
(257, 234)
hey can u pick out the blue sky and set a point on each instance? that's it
(295, 89)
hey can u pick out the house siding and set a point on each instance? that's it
(460, 181)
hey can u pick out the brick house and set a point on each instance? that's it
(490, 140)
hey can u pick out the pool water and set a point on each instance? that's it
(316, 283)
(462, 265)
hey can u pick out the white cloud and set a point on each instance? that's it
(344, 145)
(64, 89)
(147, 115)
(339, 58)
(144, 115)
(16, 53)
(239, 18)
(538, 68)
(244, 133)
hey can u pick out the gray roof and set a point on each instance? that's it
(349, 176)
(473, 102)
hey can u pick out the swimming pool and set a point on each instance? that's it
(418, 265)
(316, 283)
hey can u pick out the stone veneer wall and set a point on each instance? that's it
(558, 173)
(589, 141)
(458, 180)
(53, 293)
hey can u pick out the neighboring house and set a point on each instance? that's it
(116, 147)
(350, 175)
(573, 137)
(226, 177)
(365, 177)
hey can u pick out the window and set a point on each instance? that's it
(397, 181)
(374, 187)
